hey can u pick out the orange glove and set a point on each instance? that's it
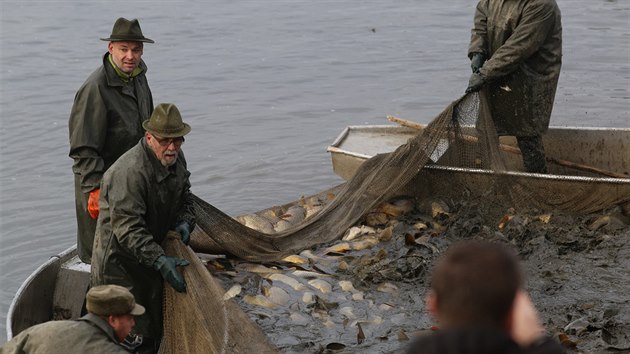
(93, 203)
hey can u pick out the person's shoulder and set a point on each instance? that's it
(127, 162)
(543, 5)
(67, 337)
(50, 328)
(463, 341)
(546, 345)
(94, 81)
(425, 343)
(59, 324)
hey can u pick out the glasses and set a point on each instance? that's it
(164, 142)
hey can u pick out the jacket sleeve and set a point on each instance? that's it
(479, 33)
(88, 129)
(529, 35)
(126, 193)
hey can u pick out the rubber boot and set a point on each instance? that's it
(533, 153)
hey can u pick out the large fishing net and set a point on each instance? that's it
(462, 136)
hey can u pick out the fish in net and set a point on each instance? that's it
(462, 135)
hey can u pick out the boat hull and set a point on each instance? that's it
(579, 190)
(55, 290)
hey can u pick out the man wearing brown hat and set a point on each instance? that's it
(144, 194)
(111, 316)
(106, 121)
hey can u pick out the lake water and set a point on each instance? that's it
(266, 86)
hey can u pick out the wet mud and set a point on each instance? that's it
(365, 293)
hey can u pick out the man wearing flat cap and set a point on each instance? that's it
(111, 316)
(144, 195)
(106, 121)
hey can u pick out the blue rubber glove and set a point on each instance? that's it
(476, 62)
(184, 231)
(475, 83)
(167, 266)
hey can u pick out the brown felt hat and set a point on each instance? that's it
(166, 122)
(112, 299)
(127, 31)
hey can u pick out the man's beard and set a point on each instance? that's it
(165, 162)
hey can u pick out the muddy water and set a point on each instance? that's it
(266, 87)
(366, 292)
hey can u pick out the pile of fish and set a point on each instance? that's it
(365, 292)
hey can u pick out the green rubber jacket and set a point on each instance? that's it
(105, 121)
(522, 40)
(89, 334)
(141, 200)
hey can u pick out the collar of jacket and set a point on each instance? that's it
(161, 172)
(113, 73)
(101, 324)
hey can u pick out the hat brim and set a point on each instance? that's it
(137, 310)
(145, 40)
(179, 133)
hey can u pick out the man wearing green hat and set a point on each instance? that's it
(106, 121)
(111, 316)
(144, 195)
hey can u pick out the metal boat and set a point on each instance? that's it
(588, 163)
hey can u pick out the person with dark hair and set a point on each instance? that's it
(476, 295)
(516, 52)
(111, 315)
(106, 121)
(144, 195)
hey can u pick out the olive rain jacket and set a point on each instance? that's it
(105, 121)
(89, 334)
(522, 40)
(141, 200)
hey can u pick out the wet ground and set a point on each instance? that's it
(365, 293)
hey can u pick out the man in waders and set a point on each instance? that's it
(516, 52)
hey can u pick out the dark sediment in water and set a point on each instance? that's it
(577, 270)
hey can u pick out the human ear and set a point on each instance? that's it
(432, 304)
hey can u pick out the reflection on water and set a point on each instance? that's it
(266, 87)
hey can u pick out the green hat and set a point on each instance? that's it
(166, 122)
(127, 31)
(112, 299)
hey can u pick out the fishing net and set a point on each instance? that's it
(201, 320)
(462, 136)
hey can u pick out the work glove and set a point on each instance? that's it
(477, 62)
(167, 266)
(183, 228)
(475, 83)
(92, 206)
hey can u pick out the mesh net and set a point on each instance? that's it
(463, 135)
(200, 321)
